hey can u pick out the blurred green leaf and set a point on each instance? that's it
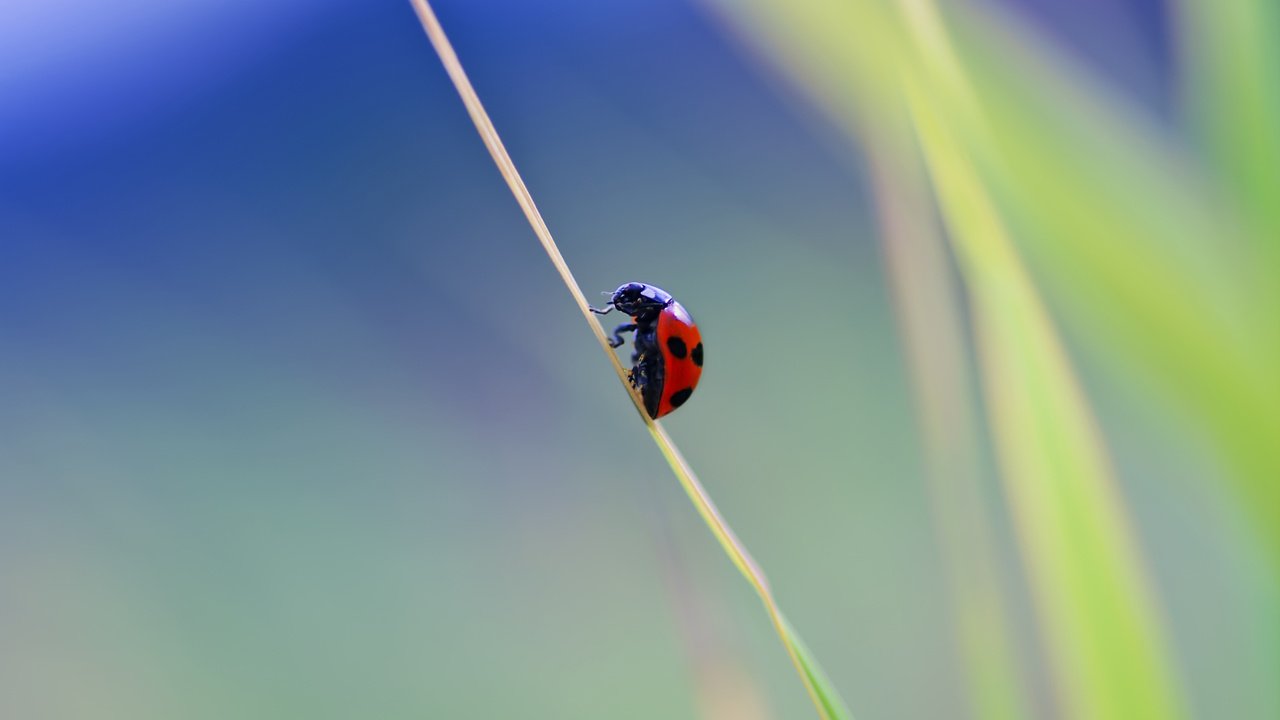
(1129, 241)
(1136, 249)
(1097, 615)
(933, 334)
(1233, 73)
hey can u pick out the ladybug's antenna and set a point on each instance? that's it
(607, 308)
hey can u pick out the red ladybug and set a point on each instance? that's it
(667, 361)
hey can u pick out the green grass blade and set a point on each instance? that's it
(933, 333)
(1181, 295)
(1103, 629)
(1097, 614)
(1232, 64)
(1179, 299)
(831, 703)
(828, 702)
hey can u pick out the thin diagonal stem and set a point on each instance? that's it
(828, 705)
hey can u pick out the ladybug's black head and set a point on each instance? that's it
(636, 298)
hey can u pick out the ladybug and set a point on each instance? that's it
(667, 361)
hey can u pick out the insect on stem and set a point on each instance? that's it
(824, 699)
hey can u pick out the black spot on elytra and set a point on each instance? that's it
(697, 355)
(679, 397)
(677, 347)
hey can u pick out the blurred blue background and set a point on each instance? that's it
(297, 421)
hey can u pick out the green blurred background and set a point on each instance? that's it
(296, 420)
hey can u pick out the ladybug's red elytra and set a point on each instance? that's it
(667, 362)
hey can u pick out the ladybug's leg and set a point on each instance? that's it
(646, 377)
(646, 343)
(638, 377)
(617, 334)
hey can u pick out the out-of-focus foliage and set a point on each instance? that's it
(1159, 264)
